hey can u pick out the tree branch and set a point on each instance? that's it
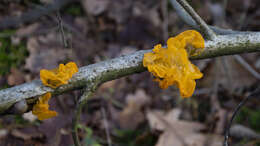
(247, 66)
(189, 20)
(201, 23)
(75, 122)
(101, 72)
(230, 45)
(126, 65)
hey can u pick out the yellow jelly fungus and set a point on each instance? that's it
(190, 40)
(171, 65)
(59, 76)
(41, 108)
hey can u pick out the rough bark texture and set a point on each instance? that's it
(101, 72)
(231, 44)
(123, 66)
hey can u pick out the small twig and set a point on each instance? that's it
(164, 10)
(106, 126)
(227, 70)
(32, 15)
(60, 24)
(224, 5)
(75, 122)
(214, 93)
(243, 102)
(216, 109)
(188, 20)
(203, 26)
(88, 92)
(67, 26)
(247, 66)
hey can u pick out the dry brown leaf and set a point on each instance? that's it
(20, 134)
(107, 85)
(221, 123)
(177, 132)
(127, 50)
(82, 24)
(3, 133)
(152, 14)
(140, 98)
(132, 115)
(240, 131)
(27, 30)
(95, 7)
(26, 133)
(16, 77)
(230, 75)
(46, 52)
(120, 10)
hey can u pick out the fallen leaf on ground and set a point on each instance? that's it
(119, 10)
(132, 115)
(46, 52)
(240, 131)
(107, 85)
(16, 77)
(141, 10)
(24, 31)
(95, 7)
(3, 133)
(178, 132)
(26, 133)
